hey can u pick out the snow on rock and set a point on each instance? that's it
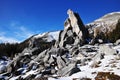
(110, 63)
(14, 78)
(29, 73)
(2, 68)
(40, 35)
(49, 36)
(55, 34)
(3, 63)
(62, 78)
(27, 54)
(105, 28)
(110, 17)
(117, 48)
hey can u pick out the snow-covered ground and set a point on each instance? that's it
(110, 63)
(4, 61)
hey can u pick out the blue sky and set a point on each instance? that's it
(19, 19)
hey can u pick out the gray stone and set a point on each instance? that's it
(77, 25)
(74, 31)
(9, 68)
(74, 21)
(62, 38)
(77, 41)
(3, 69)
(98, 56)
(60, 62)
(69, 40)
(117, 42)
(74, 70)
(69, 33)
(68, 70)
(107, 50)
(51, 59)
(46, 58)
(40, 56)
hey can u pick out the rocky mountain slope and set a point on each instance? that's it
(106, 28)
(79, 52)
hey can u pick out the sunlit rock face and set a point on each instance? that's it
(74, 30)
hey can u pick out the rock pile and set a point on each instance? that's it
(45, 57)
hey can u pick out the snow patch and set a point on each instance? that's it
(49, 36)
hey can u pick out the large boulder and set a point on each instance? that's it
(77, 24)
(107, 50)
(60, 62)
(68, 70)
(3, 69)
(74, 30)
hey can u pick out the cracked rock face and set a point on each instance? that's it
(73, 21)
(74, 29)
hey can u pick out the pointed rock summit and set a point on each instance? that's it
(76, 23)
(74, 30)
(73, 21)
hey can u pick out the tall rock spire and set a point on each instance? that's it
(74, 30)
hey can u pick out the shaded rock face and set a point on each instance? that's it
(77, 24)
(74, 30)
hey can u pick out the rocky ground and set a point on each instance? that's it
(79, 52)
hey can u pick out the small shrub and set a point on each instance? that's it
(107, 76)
(115, 34)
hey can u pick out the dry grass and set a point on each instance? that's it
(107, 76)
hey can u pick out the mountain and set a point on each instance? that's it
(49, 36)
(106, 28)
(79, 52)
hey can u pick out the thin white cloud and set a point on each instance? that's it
(14, 23)
(4, 39)
(20, 31)
(15, 33)
(24, 32)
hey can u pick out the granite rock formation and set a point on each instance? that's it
(66, 53)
